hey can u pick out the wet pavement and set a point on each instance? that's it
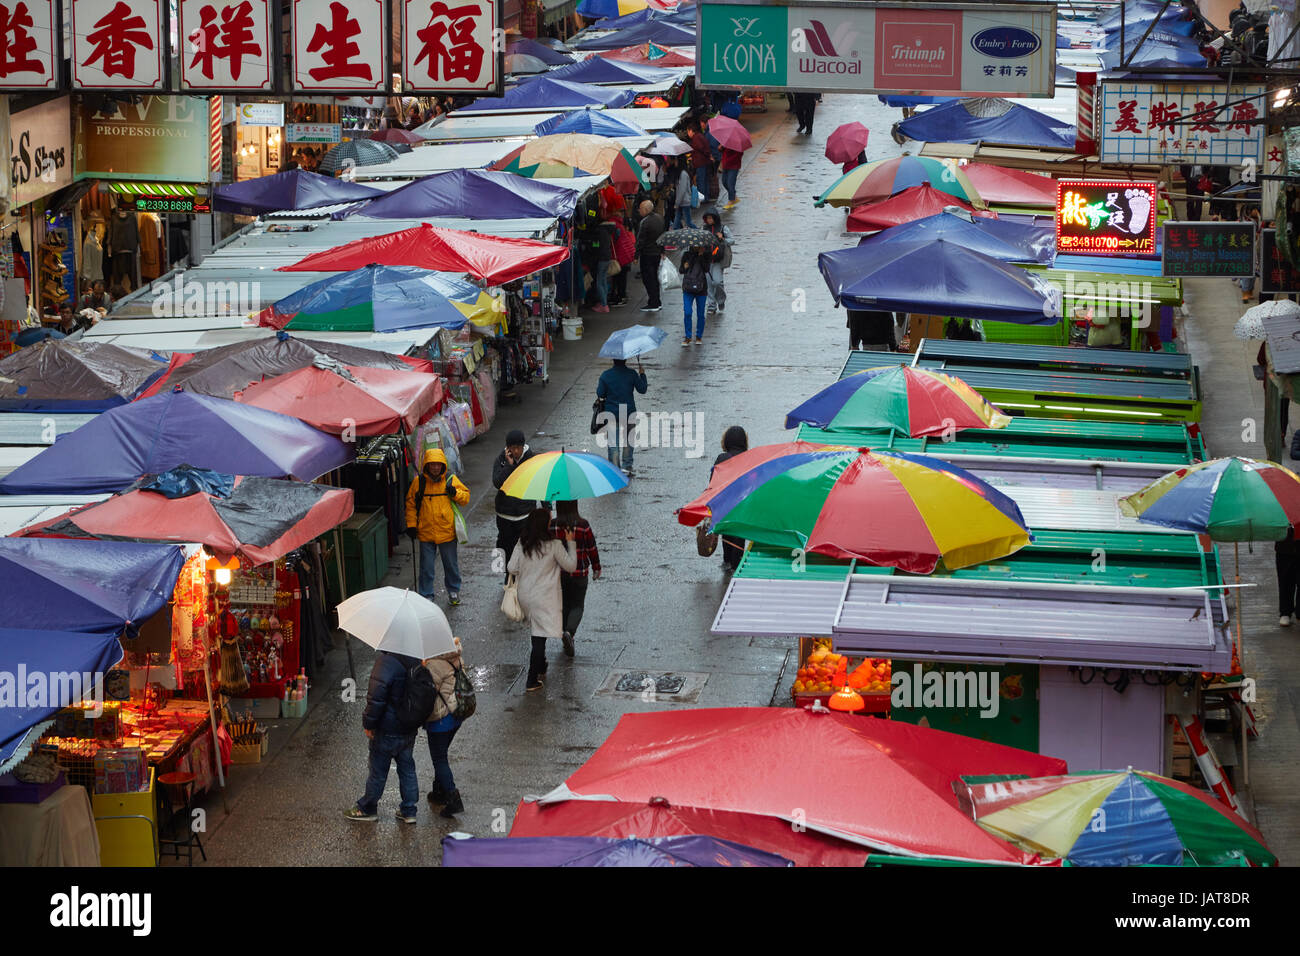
(779, 340)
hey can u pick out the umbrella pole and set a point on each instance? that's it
(212, 722)
(343, 593)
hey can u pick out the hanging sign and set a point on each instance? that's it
(340, 47)
(119, 45)
(313, 133)
(1208, 249)
(260, 114)
(31, 45)
(448, 47)
(1276, 274)
(1105, 218)
(40, 150)
(1158, 123)
(226, 45)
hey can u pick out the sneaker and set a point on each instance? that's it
(404, 818)
(600, 308)
(651, 308)
(686, 343)
(537, 685)
(699, 341)
(454, 598)
(454, 805)
(711, 311)
(1284, 620)
(721, 308)
(567, 640)
(356, 813)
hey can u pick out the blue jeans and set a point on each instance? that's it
(702, 181)
(429, 552)
(687, 299)
(683, 218)
(1246, 284)
(385, 748)
(716, 297)
(728, 177)
(602, 282)
(616, 441)
(439, 745)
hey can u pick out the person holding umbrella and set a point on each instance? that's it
(573, 584)
(617, 387)
(695, 267)
(848, 145)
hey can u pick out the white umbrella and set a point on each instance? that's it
(397, 621)
(1251, 324)
(669, 146)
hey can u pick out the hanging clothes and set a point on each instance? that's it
(92, 258)
(152, 257)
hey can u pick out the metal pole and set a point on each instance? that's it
(343, 593)
(212, 721)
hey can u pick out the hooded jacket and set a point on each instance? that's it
(387, 685)
(443, 669)
(506, 505)
(432, 516)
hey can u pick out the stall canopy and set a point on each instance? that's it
(591, 122)
(916, 202)
(485, 193)
(1013, 187)
(661, 32)
(524, 46)
(1159, 49)
(599, 70)
(342, 400)
(999, 238)
(71, 375)
(156, 434)
(96, 587)
(545, 93)
(988, 120)
(255, 519)
(604, 851)
(651, 54)
(938, 277)
(493, 259)
(293, 189)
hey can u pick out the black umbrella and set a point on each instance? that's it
(357, 152)
(687, 238)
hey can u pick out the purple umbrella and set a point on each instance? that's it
(291, 189)
(690, 850)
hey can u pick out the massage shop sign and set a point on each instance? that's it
(956, 49)
(1211, 124)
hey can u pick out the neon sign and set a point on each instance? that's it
(1105, 218)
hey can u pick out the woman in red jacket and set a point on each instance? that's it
(701, 159)
(728, 170)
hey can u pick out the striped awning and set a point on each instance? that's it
(158, 189)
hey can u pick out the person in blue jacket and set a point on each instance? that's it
(389, 740)
(617, 386)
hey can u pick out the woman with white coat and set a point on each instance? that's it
(537, 561)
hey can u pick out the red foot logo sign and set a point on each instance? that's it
(118, 45)
(27, 32)
(450, 46)
(340, 47)
(226, 45)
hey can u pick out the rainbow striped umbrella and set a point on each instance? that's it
(563, 476)
(912, 401)
(1230, 499)
(886, 177)
(1116, 818)
(886, 508)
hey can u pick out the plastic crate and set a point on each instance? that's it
(293, 708)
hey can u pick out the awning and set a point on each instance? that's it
(158, 189)
(554, 11)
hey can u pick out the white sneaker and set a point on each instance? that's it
(686, 343)
(1284, 620)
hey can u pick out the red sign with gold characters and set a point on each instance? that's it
(448, 46)
(1105, 218)
(30, 35)
(119, 45)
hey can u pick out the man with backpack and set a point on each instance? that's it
(695, 288)
(453, 705)
(395, 710)
(431, 519)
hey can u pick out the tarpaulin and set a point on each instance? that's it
(362, 401)
(177, 428)
(484, 193)
(73, 375)
(603, 851)
(529, 47)
(545, 93)
(292, 189)
(596, 69)
(662, 32)
(959, 122)
(185, 480)
(1007, 241)
(592, 122)
(1015, 187)
(916, 202)
(649, 53)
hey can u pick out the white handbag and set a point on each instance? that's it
(510, 605)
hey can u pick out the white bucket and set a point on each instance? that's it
(572, 329)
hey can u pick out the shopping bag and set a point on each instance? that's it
(695, 197)
(510, 605)
(705, 541)
(669, 277)
(458, 519)
(613, 268)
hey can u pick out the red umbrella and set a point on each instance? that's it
(846, 143)
(880, 783)
(641, 54)
(909, 205)
(659, 818)
(263, 518)
(369, 401)
(494, 259)
(396, 135)
(1012, 186)
(730, 134)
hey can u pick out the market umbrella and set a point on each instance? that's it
(651, 53)
(687, 238)
(912, 401)
(524, 46)
(608, 9)
(397, 621)
(394, 136)
(847, 142)
(723, 759)
(999, 238)
(660, 32)
(988, 119)
(518, 63)
(885, 177)
(603, 851)
(632, 341)
(487, 193)
(546, 169)
(600, 71)
(730, 134)
(1251, 323)
(546, 93)
(356, 152)
(658, 818)
(75, 375)
(291, 189)
(886, 508)
(350, 401)
(563, 476)
(257, 520)
(669, 146)
(588, 121)
(494, 259)
(156, 434)
(1116, 818)
(913, 203)
(1013, 187)
(597, 154)
(938, 277)
(382, 299)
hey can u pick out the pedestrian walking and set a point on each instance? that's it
(624, 255)
(729, 169)
(683, 199)
(695, 289)
(871, 327)
(1249, 214)
(734, 441)
(854, 163)
(510, 511)
(537, 561)
(701, 157)
(441, 730)
(648, 253)
(805, 107)
(603, 255)
(431, 519)
(617, 388)
(573, 584)
(719, 262)
(1287, 557)
(1194, 188)
(390, 741)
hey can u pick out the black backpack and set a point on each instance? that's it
(695, 281)
(414, 708)
(466, 702)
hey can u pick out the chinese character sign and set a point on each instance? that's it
(340, 47)
(1276, 274)
(28, 57)
(1208, 249)
(1106, 219)
(226, 45)
(1157, 123)
(118, 44)
(447, 46)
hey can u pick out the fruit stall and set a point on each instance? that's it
(822, 671)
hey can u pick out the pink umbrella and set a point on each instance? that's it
(364, 401)
(730, 134)
(847, 143)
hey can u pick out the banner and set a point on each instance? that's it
(31, 45)
(227, 45)
(313, 133)
(119, 45)
(447, 47)
(340, 48)
(943, 49)
(1105, 219)
(1208, 249)
(160, 138)
(40, 150)
(1210, 124)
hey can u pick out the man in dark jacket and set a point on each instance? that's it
(389, 741)
(734, 442)
(616, 387)
(511, 512)
(870, 327)
(649, 253)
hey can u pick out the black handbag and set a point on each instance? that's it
(597, 408)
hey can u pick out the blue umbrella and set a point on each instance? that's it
(481, 193)
(523, 46)
(988, 119)
(633, 341)
(592, 122)
(999, 238)
(690, 850)
(33, 335)
(376, 298)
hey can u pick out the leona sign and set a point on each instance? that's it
(985, 49)
(1105, 219)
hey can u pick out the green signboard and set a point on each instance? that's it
(997, 703)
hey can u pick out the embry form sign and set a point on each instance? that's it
(984, 49)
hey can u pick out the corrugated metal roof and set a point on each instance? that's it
(478, 126)
(1106, 361)
(13, 456)
(32, 428)
(1283, 333)
(19, 511)
(778, 608)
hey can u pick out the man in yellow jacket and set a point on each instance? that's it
(431, 521)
